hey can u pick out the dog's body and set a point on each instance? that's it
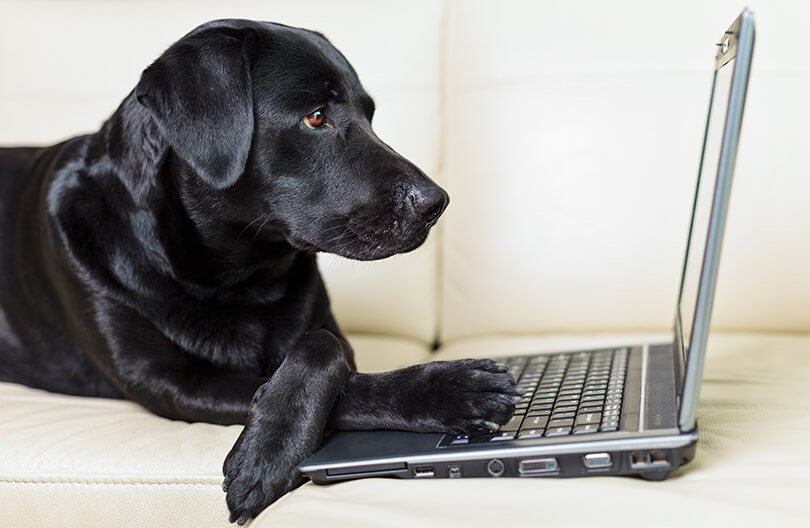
(170, 257)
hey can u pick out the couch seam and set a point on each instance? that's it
(29, 482)
(439, 282)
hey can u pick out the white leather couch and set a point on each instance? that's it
(568, 135)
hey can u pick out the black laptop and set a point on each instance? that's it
(628, 410)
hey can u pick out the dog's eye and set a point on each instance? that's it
(316, 119)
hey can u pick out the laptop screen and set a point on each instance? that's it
(705, 239)
(696, 244)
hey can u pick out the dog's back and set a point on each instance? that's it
(14, 163)
(14, 169)
(29, 326)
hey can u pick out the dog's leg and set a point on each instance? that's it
(442, 396)
(285, 424)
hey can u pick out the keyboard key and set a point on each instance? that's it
(596, 387)
(564, 422)
(593, 398)
(587, 428)
(593, 393)
(558, 431)
(565, 408)
(545, 394)
(597, 384)
(500, 437)
(460, 440)
(561, 415)
(530, 433)
(588, 418)
(513, 424)
(535, 422)
(538, 412)
(590, 409)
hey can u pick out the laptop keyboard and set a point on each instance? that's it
(565, 394)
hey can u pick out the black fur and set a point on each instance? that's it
(170, 257)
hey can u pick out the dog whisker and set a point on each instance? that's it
(248, 227)
(266, 219)
(334, 228)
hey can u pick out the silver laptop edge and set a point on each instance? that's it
(737, 43)
(671, 439)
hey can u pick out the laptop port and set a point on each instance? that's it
(495, 467)
(649, 460)
(639, 459)
(597, 461)
(454, 471)
(423, 472)
(537, 466)
(659, 459)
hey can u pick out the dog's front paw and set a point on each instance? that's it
(257, 473)
(470, 395)
(263, 464)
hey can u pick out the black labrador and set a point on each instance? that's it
(169, 258)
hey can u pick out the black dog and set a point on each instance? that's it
(170, 257)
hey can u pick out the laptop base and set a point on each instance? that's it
(652, 458)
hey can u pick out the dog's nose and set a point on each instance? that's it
(428, 202)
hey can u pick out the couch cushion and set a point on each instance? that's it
(750, 468)
(67, 65)
(574, 135)
(93, 462)
(85, 462)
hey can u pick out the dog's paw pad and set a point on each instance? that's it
(476, 395)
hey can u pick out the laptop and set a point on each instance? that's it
(628, 410)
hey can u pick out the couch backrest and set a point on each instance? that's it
(573, 136)
(66, 65)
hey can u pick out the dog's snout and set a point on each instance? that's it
(428, 202)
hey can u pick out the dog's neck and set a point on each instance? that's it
(205, 255)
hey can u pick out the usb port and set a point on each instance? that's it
(649, 460)
(659, 458)
(423, 472)
(640, 459)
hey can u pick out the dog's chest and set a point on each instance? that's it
(251, 332)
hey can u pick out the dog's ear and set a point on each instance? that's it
(200, 93)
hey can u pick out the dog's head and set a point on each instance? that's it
(277, 127)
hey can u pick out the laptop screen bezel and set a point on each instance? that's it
(736, 43)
